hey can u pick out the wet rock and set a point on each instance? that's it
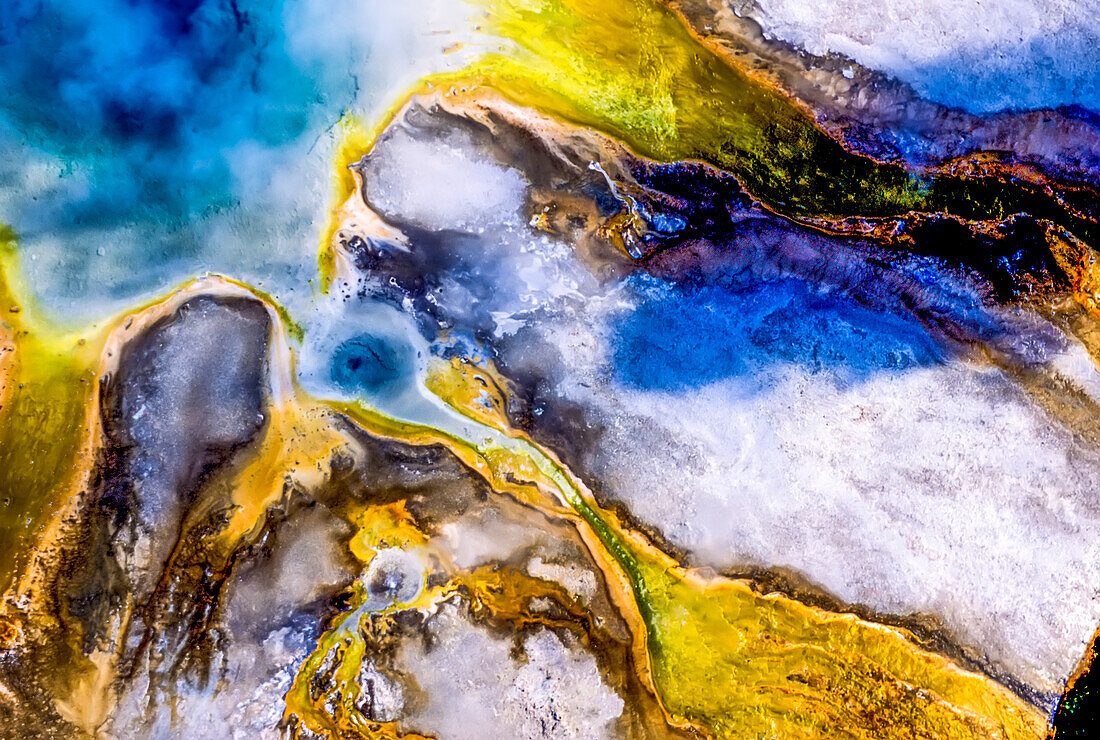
(394, 575)
(188, 392)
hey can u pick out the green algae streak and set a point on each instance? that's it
(633, 70)
(42, 418)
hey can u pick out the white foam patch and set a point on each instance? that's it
(446, 184)
(442, 186)
(486, 538)
(310, 562)
(475, 689)
(248, 706)
(975, 54)
(576, 580)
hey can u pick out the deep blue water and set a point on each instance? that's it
(688, 335)
(369, 363)
(159, 127)
(151, 95)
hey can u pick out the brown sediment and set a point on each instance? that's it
(505, 596)
(512, 597)
(497, 595)
(1080, 263)
(526, 485)
(1074, 409)
(1069, 315)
